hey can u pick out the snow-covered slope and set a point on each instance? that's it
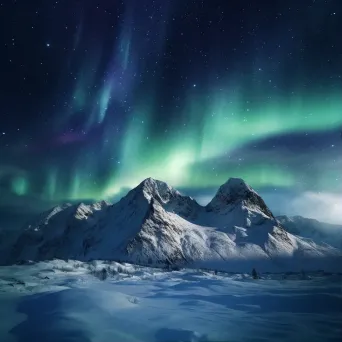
(63, 301)
(313, 229)
(155, 225)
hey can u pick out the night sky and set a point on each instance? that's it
(98, 95)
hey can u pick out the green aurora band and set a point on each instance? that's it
(197, 144)
(185, 154)
(180, 156)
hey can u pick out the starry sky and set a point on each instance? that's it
(98, 95)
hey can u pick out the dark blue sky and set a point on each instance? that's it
(97, 96)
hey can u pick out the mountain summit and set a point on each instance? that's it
(153, 188)
(236, 192)
(154, 224)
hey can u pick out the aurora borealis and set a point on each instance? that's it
(98, 95)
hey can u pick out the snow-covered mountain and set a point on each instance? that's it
(313, 229)
(155, 224)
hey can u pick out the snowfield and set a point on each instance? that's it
(83, 299)
(78, 301)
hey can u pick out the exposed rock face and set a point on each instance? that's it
(236, 192)
(155, 224)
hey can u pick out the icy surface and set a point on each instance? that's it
(68, 301)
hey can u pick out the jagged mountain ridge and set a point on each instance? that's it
(313, 229)
(155, 224)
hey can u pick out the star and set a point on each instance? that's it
(121, 91)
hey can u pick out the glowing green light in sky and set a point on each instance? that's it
(75, 187)
(20, 185)
(216, 129)
(130, 108)
(228, 125)
(51, 185)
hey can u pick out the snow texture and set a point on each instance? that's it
(313, 229)
(72, 301)
(156, 225)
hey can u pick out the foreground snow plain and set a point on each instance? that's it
(71, 301)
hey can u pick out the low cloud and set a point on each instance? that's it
(204, 200)
(322, 206)
(326, 207)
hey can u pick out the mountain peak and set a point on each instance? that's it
(153, 188)
(236, 186)
(150, 180)
(155, 225)
(235, 191)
